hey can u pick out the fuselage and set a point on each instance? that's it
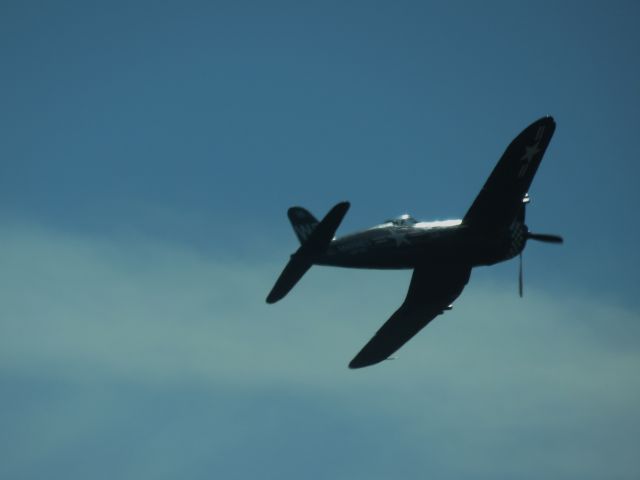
(406, 243)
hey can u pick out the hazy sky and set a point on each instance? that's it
(149, 151)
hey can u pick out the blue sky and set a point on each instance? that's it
(149, 153)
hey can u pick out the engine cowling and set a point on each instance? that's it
(518, 238)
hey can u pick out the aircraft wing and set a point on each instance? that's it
(500, 200)
(432, 290)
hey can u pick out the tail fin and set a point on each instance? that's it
(303, 222)
(314, 244)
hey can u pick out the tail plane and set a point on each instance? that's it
(314, 237)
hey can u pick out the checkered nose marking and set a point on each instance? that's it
(518, 238)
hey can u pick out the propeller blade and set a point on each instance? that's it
(520, 281)
(544, 237)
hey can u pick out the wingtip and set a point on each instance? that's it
(549, 120)
(354, 366)
(546, 119)
(274, 296)
(359, 362)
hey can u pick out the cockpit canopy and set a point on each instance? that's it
(403, 220)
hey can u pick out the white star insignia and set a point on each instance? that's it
(399, 237)
(530, 152)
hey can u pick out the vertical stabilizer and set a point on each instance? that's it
(303, 222)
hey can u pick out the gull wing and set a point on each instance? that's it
(431, 291)
(500, 199)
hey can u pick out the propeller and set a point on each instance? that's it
(520, 282)
(544, 237)
(540, 237)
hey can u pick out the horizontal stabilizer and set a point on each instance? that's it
(323, 233)
(316, 243)
(293, 272)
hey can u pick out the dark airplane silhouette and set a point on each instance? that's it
(441, 254)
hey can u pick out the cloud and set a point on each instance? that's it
(148, 359)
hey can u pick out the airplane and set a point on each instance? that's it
(441, 253)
